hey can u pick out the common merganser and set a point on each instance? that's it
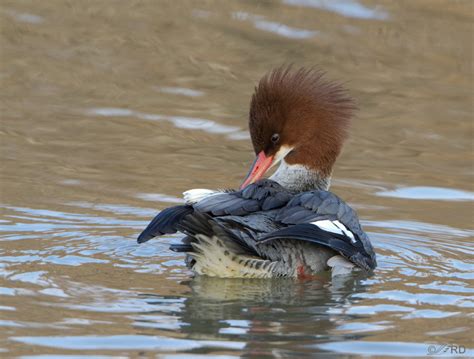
(288, 225)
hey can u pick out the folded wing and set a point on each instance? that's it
(323, 218)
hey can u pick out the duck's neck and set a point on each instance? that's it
(299, 178)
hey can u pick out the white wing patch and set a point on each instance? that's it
(195, 195)
(335, 227)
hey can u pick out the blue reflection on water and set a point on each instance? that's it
(142, 342)
(429, 193)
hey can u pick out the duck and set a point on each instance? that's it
(289, 224)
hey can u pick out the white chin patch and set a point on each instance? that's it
(281, 154)
(335, 227)
(197, 194)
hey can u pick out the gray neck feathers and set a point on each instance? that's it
(299, 178)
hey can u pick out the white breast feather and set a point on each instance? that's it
(197, 194)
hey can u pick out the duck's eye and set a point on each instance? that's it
(275, 137)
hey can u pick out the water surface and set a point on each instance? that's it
(110, 110)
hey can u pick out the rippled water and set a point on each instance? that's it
(109, 110)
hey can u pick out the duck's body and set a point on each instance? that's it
(288, 225)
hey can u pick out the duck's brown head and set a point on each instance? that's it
(300, 119)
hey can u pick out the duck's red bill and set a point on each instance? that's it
(261, 164)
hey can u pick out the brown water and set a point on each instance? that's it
(111, 109)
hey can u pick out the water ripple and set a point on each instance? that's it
(348, 8)
(277, 28)
(182, 122)
(429, 193)
(125, 342)
(91, 234)
(180, 91)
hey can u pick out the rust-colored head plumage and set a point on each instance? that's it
(300, 109)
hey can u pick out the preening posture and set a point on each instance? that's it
(288, 225)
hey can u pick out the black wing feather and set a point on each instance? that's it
(263, 195)
(165, 222)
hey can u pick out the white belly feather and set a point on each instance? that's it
(215, 259)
